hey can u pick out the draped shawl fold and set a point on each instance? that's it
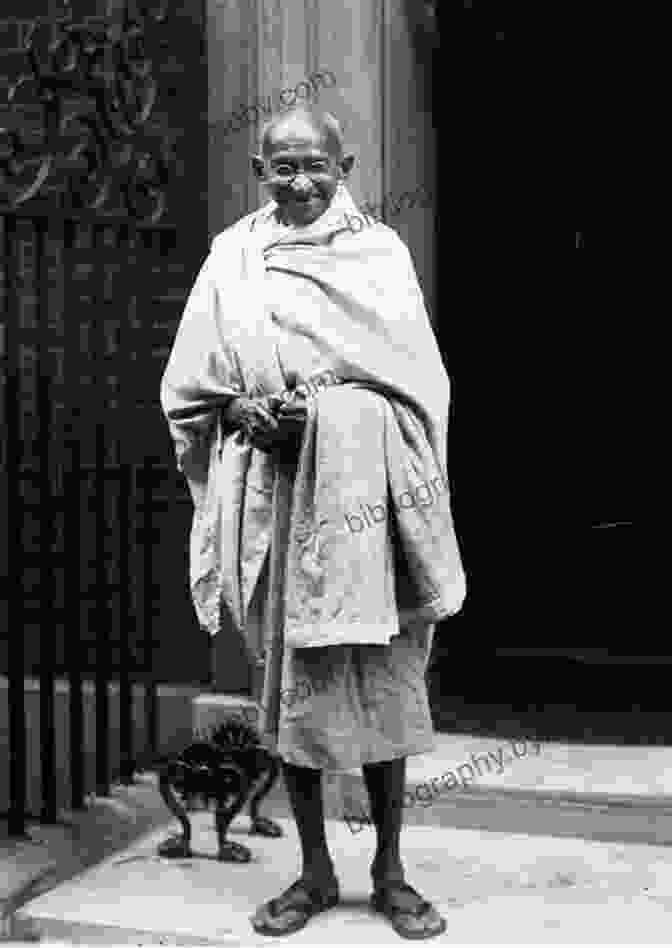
(374, 441)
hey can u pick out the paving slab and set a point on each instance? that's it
(52, 853)
(491, 887)
(550, 767)
(598, 792)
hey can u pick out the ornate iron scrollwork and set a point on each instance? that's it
(100, 146)
(229, 767)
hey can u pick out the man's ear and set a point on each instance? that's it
(345, 164)
(257, 163)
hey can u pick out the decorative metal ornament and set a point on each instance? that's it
(227, 767)
(94, 92)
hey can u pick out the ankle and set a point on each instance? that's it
(386, 871)
(320, 881)
(318, 867)
(388, 879)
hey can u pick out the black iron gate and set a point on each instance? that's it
(85, 257)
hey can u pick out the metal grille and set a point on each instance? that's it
(85, 264)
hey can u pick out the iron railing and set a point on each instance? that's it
(82, 201)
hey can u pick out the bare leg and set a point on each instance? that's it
(317, 888)
(410, 914)
(304, 787)
(385, 786)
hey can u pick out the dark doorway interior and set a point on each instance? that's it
(546, 500)
(551, 699)
(618, 693)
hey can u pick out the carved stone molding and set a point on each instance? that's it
(79, 119)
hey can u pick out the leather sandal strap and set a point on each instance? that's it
(298, 897)
(400, 897)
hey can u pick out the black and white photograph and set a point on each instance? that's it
(275, 495)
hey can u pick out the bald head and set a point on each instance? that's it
(303, 124)
(302, 163)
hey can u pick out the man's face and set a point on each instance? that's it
(301, 173)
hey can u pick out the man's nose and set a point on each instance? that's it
(302, 183)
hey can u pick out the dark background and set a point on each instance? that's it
(546, 443)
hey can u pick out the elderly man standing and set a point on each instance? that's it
(322, 525)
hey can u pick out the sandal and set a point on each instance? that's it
(411, 916)
(175, 847)
(262, 826)
(293, 909)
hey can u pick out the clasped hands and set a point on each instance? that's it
(270, 422)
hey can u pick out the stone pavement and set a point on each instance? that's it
(491, 887)
(581, 769)
(52, 853)
(95, 879)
